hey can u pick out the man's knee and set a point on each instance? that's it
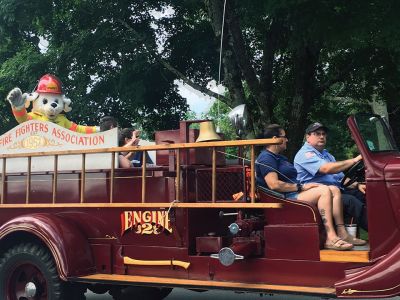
(351, 203)
(355, 193)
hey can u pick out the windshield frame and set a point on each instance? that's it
(384, 129)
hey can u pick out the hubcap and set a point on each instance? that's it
(26, 282)
(30, 289)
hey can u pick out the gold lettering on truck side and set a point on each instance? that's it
(145, 222)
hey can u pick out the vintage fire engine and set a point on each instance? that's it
(70, 219)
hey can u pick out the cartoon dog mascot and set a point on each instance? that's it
(48, 103)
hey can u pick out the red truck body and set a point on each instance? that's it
(166, 226)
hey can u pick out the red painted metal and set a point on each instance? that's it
(246, 246)
(198, 156)
(67, 243)
(378, 280)
(292, 241)
(281, 246)
(210, 244)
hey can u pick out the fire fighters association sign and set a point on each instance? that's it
(145, 222)
(37, 136)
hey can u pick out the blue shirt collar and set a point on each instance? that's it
(308, 147)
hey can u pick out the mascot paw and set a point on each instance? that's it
(16, 98)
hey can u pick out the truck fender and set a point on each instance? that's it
(380, 279)
(68, 245)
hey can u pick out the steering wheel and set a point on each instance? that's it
(355, 173)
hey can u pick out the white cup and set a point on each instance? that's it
(351, 229)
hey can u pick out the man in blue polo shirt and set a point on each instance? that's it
(315, 164)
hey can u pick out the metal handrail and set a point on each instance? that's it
(55, 178)
(3, 179)
(144, 149)
(274, 141)
(112, 176)
(144, 177)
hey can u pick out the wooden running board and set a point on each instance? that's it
(361, 256)
(173, 282)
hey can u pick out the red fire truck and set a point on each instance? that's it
(180, 223)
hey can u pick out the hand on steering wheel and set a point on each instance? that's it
(355, 173)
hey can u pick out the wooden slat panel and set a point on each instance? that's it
(55, 179)
(214, 176)
(144, 177)
(83, 177)
(112, 175)
(146, 205)
(205, 283)
(252, 175)
(344, 256)
(274, 141)
(3, 180)
(178, 176)
(28, 180)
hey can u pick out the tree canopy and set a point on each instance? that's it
(103, 51)
(291, 62)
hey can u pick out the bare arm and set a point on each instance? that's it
(362, 187)
(339, 166)
(134, 141)
(285, 187)
(124, 162)
(277, 185)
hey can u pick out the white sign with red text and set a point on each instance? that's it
(37, 136)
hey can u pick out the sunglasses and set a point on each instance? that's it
(319, 133)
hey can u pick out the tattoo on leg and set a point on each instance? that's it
(322, 212)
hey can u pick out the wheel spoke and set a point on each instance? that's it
(28, 271)
(22, 276)
(20, 295)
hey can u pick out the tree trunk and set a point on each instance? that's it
(258, 101)
(270, 46)
(231, 75)
(237, 64)
(305, 62)
(245, 64)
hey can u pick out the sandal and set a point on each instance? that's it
(338, 244)
(353, 240)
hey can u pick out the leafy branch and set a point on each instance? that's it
(172, 69)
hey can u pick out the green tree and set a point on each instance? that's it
(103, 51)
(290, 62)
(293, 54)
(218, 112)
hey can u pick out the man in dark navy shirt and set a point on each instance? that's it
(267, 162)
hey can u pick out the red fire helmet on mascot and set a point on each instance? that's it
(49, 84)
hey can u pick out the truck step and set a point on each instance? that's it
(358, 254)
(188, 283)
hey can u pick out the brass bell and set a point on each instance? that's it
(207, 132)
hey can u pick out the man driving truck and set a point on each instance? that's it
(315, 164)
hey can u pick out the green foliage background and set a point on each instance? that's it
(291, 62)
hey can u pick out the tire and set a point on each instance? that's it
(28, 271)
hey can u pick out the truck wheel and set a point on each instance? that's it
(28, 271)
